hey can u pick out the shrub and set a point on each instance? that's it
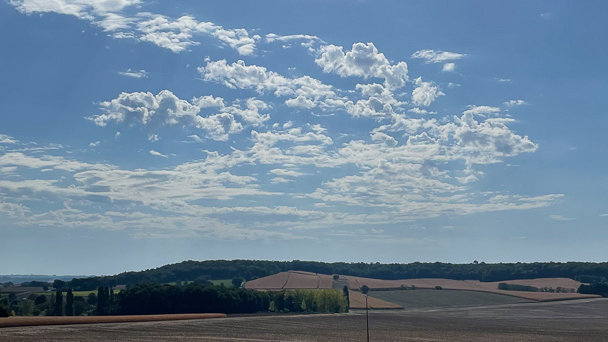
(438, 287)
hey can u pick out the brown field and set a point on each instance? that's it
(577, 321)
(475, 285)
(292, 280)
(357, 301)
(26, 321)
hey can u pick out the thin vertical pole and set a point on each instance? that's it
(366, 318)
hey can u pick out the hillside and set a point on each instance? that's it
(253, 269)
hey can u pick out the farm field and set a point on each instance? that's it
(424, 299)
(306, 280)
(577, 320)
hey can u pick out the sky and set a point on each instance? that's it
(139, 133)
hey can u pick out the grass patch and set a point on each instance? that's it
(226, 282)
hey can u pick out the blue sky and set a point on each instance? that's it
(135, 134)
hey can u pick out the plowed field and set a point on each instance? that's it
(577, 321)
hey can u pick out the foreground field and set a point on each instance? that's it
(578, 320)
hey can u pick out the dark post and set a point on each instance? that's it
(365, 291)
(366, 318)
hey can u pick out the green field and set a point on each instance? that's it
(226, 282)
(422, 299)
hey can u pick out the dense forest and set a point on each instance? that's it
(252, 269)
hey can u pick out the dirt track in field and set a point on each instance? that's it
(580, 320)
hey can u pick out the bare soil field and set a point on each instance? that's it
(357, 301)
(475, 285)
(292, 280)
(578, 320)
(425, 299)
(26, 321)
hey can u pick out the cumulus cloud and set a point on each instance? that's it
(436, 56)
(425, 93)
(448, 67)
(362, 60)
(166, 109)
(305, 92)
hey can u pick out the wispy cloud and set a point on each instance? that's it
(561, 218)
(134, 73)
(437, 56)
(158, 154)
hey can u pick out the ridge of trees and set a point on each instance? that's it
(252, 269)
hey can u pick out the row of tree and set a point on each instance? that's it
(55, 304)
(144, 299)
(252, 269)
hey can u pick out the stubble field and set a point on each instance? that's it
(578, 320)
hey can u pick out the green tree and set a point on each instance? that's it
(50, 311)
(237, 281)
(92, 299)
(346, 297)
(365, 289)
(272, 308)
(58, 310)
(41, 299)
(303, 305)
(58, 284)
(69, 303)
(80, 306)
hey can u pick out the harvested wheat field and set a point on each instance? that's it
(26, 321)
(292, 280)
(357, 301)
(577, 321)
(475, 285)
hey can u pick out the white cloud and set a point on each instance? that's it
(6, 139)
(176, 35)
(153, 137)
(134, 73)
(158, 154)
(513, 103)
(95, 143)
(481, 110)
(561, 218)
(83, 9)
(503, 80)
(421, 111)
(436, 56)
(603, 215)
(166, 109)
(363, 60)
(304, 91)
(425, 93)
(448, 67)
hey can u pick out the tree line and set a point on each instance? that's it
(252, 269)
(147, 299)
